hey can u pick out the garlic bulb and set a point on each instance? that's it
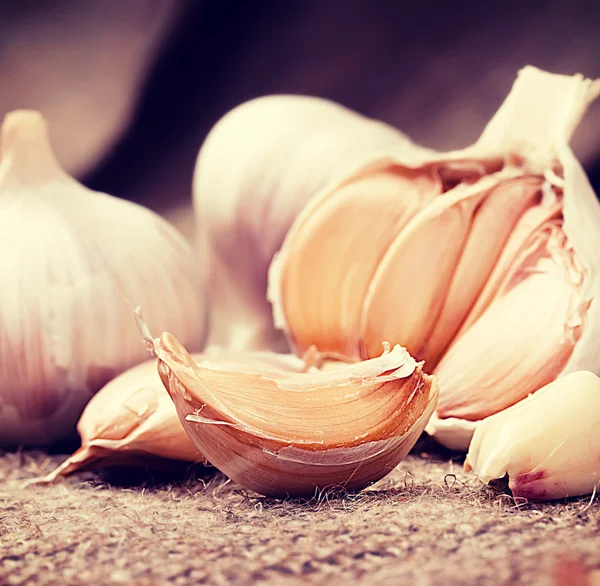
(257, 169)
(290, 434)
(128, 419)
(71, 260)
(483, 262)
(548, 444)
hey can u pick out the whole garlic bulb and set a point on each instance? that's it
(483, 262)
(70, 261)
(255, 172)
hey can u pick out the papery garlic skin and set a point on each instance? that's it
(548, 444)
(129, 419)
(292, 434)
(258, 168)
(72, 262)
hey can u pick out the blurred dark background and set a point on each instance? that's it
(132, 88)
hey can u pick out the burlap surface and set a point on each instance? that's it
(428, 523)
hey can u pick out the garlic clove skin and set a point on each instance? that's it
(72, 261)
(127, 419)
(256, 171)
(548, 444)
(291, 434)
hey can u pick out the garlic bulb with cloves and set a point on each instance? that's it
(483, 262)
(291, 434)
(258, 168)
(548, 444)
(70, 261)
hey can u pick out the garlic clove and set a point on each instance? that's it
(71, 262)
(492, 224)
(129, 418)
(283, 434)
(326, 279)
(536, 320)
(532, 222)
(548, 444)
(407, 292)
(256, 171)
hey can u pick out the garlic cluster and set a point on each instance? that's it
(258, 168)
(72, 261)
(548, 444)
(483, 262)
(283, 433)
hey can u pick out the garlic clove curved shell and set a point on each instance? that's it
(283, 434)
(256, 171)
(548, 444)
(71, 261)
(133, 418)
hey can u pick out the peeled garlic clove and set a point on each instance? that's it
(256, 171)
(131, 417)
(71, 262)
(548, 444)
(324, 290)
(283, 434)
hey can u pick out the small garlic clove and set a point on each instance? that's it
(289, 434)
(129, 418)
(548, 444)
(530, 223)
(326, 278)
(133, 417)
(522, 341)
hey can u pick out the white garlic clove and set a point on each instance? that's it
(290, 434)
(72, 262)
(256, 171)
(548, 444)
